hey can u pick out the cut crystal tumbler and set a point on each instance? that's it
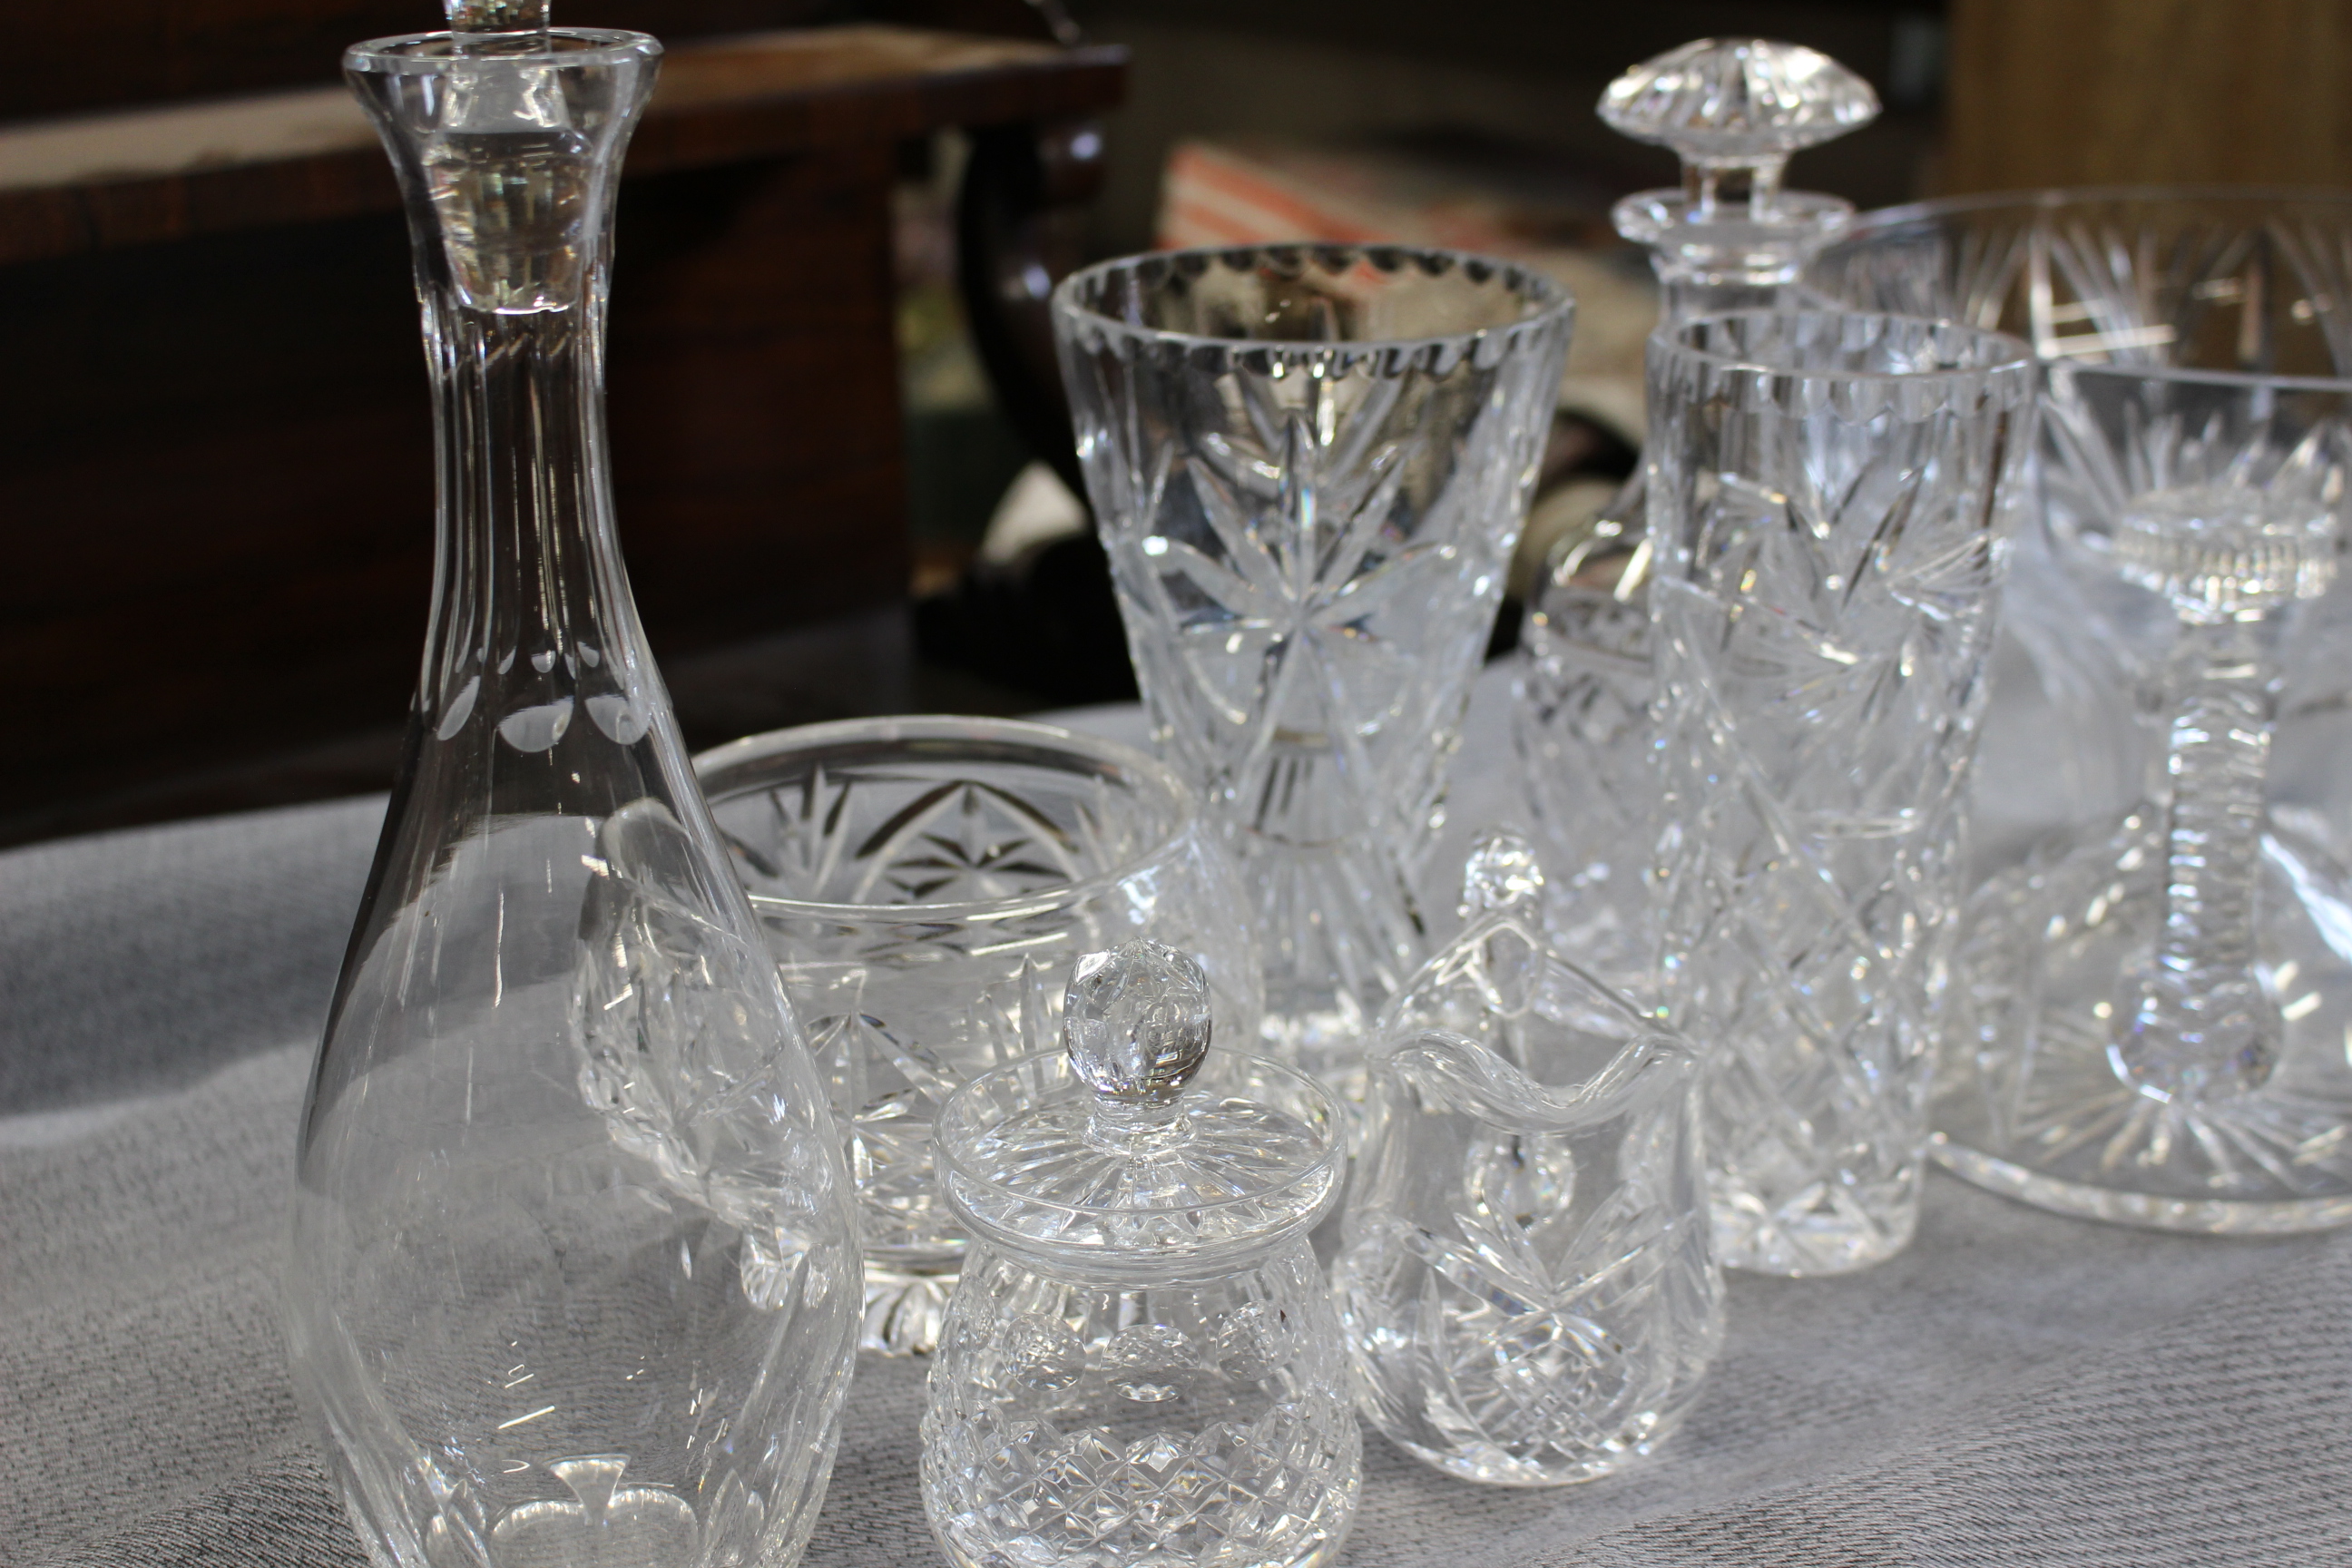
(574, 1274)
(2153, 1008)
(1309, 465)
(925, 885)
(1141, 1363)
(1829, 496)
(1525, 1278)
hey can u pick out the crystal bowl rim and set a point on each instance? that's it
(2196, 374)
(399, 54)
(771, 743)
(2020, 361)
(1555, 301)
(2046, 198)
(1328, 1159)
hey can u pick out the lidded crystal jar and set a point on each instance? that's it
(1141, 1363)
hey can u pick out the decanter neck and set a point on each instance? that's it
(509, 149)
(533, 620)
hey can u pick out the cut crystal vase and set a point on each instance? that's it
(1830, 496)
(1309, 465)
(574, 1274)
(1525, 1278)
(1585, 721)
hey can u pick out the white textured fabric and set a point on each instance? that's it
(2017, 1389)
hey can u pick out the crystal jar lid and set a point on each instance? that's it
(1134, 1150)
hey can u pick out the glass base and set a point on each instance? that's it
(2256, 1164)
(903, 1310)
(2032, 1104)
(1825, 1228)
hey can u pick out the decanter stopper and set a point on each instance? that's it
(1135, 1022)
(1733, 109)
(1501, 873)
(469, 17)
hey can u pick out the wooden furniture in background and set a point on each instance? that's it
(2081, 92)
(215, 490)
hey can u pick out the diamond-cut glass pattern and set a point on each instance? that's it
(1059, 1430)
(925, 886)
(1309, 466)
(1525, 1277)
(1828, 500)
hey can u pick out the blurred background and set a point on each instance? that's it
(841, 460)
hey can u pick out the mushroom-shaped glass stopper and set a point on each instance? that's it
(1135, 1022)
(1734, 109)
(473, 16)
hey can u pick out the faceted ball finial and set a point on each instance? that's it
(1136, 1021)
(1502, 873)
(1736, 100)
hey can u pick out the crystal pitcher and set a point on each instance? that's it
(573, 1272)
(1524, 1275)
(1141, 1363)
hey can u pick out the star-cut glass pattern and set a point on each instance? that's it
(1824, 602)
(924, 895)
(1308, 529)
(1525, 1274)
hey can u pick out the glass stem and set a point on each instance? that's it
(2200, 1021)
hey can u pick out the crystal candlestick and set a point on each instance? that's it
(574, 1274)
(1732, 239)
(2153, 1008)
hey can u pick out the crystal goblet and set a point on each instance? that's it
(925, 885)
(1309, 465)
(1829, 499)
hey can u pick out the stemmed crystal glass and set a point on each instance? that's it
(1830, 496)
(2153, 1009)
(2168, 281)
(1309, 465)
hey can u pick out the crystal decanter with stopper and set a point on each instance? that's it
(574, 1274)
(1141, 1363)
(1730, 239)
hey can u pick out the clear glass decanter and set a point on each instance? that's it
(1525, 1278)
(1141, 1363)
(1730, 239)
(574, 1275)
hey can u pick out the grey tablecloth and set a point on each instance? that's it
(2016, 1389)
